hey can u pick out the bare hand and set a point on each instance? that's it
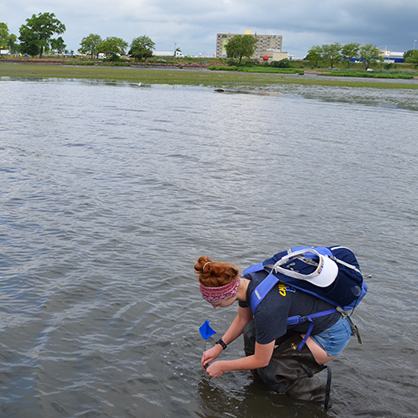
(215, 369)
(210, 355)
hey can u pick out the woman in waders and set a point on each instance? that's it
(270, 345)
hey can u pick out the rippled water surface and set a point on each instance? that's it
(110, 192)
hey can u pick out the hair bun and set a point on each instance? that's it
(206, 264)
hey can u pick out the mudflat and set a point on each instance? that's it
(187, 76)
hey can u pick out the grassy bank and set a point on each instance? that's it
(180, 76)
(258, 69)
(373, 74)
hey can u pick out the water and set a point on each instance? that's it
(110, 192)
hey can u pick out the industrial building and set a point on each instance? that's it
(265, 43)
(392, 57)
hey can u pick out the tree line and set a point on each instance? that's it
(93, 44)
(336, 53)
(411, 56)
(36, 38)
(330, 54)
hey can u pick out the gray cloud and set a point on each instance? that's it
(192, 25)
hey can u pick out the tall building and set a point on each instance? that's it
(265, 43)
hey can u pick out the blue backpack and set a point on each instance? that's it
(300, 267)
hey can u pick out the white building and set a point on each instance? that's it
(176, 54)
(265, 43)
(392, 57)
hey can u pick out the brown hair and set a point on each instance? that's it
(215, 274)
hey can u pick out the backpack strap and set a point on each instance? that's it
(253, 269)
(261, 290)
(348, 265)
(297, 319)
(354, 328)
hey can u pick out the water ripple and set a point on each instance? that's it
(107, 204)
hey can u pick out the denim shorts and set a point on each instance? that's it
(334, 339)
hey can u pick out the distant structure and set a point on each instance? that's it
(177, 54)
(267, 46)
(392, 57)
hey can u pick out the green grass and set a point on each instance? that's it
(259, 69)
(179, 77)
(273, 70)
(369, 74)
(223, 68)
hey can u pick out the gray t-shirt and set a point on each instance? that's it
(281, 302)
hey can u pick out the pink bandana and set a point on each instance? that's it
(218, 294)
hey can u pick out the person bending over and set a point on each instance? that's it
(270, 344)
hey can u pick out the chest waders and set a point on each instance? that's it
(291, 371)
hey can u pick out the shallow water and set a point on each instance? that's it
(110, 192)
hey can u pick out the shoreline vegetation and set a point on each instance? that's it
(375, 74)
(202, 73)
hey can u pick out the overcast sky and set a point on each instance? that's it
(192, 25)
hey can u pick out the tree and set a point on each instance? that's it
(90, 44)
(4, 35)
(28, 42)
(332, 53)
(411, 56)
(142, 47)
(112, 45)
(369, 55)
(7, 40)
(13, 46)
(408, 54)
(314, 55)
(58, 44)
(350, 51)
(284, 63)
(241, 46)
(36, 34)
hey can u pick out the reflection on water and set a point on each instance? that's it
(110, 193)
